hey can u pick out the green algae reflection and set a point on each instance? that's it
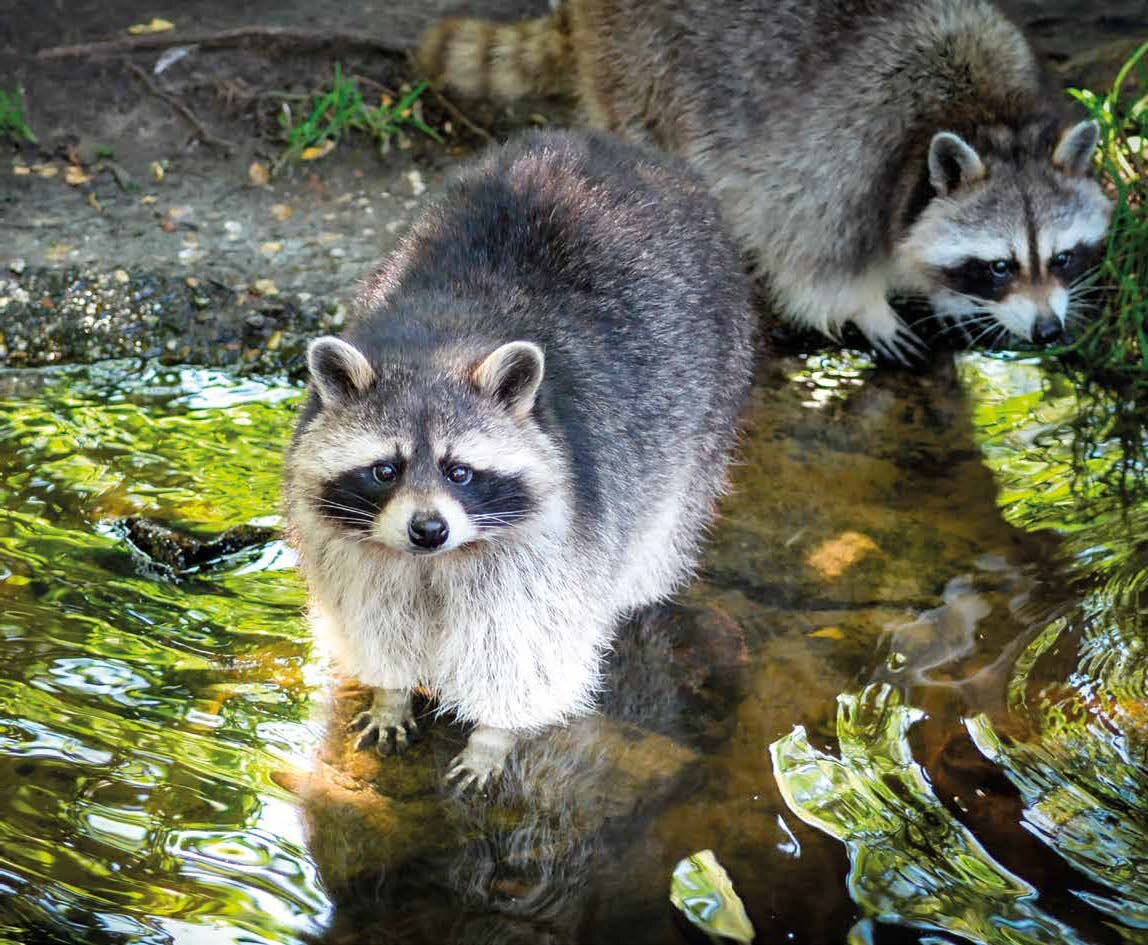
(1075, 744)
(142, 720)
(910, 860)
(1072, 736)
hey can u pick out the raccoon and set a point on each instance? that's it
(861, 149)
(521, 436)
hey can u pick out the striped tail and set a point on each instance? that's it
(500, 61)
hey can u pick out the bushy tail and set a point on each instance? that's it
(499, 61)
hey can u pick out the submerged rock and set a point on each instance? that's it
(180, 553)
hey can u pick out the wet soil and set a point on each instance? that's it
(204, 265)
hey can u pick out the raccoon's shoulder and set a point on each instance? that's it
(566, 208)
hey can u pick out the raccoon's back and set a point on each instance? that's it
(613, 259)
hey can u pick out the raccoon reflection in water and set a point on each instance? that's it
(521, 437)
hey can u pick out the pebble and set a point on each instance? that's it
(254, 320)
(415, 179)
(17, 265)
(233, 229)
(338, 252)
(121, 276)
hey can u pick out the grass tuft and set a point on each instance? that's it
(329, 115)
(12, 122)
(1114, 347)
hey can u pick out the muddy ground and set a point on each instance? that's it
(102, 257)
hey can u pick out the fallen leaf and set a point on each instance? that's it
(829, 633)
(76, 176)
(265, 287)
(121, 276)
(157, 25)
(282, 211)
(21, 170)
(258, 174)
(834, 557)
(94, 202)
(157, 170)
(46, 170)
(178, 213)
(701, 888)
(149, 199)
(271, 249)
(318, 151)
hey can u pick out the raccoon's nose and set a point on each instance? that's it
(1047, 329)
(428, 532)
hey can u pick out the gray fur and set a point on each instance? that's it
(813, 121)
(603, 270)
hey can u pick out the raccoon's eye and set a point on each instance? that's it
(1061, 260)
(1000, 268)
(385, 473)
(460, 475)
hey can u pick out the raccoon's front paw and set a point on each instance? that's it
(479, 765)
(389, 724)
(890, 336)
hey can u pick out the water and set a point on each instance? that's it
(905, 701)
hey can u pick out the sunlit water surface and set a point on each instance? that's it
(905, 701)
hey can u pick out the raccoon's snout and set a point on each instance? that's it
(427, 531)
(1047, 329)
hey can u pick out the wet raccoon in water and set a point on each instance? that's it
(521, 436)
(861, 149)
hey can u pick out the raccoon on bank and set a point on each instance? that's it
(861, 149)
(521, 436)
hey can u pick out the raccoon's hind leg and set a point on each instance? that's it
(389, 724)
(480, 763)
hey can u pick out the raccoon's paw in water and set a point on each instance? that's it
(389, 724)
(479, 765)
(890, 336)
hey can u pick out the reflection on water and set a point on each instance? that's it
(963, 549)
(141, 721)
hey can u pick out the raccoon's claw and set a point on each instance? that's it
(388, 724)
(480, 764)
(902, 345)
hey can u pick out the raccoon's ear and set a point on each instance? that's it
(339, 370)
(953, 163)
(511, 375)
(1074, 151)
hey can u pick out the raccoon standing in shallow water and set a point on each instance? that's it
(861, 149)
(521, 436)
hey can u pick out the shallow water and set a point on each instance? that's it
(906, 700)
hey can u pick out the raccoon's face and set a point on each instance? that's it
(425, 462)
(1008, 247)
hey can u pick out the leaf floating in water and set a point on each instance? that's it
(702, 889)
(910, 860)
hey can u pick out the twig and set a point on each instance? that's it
(455, 111)
(261, 36)
(206, 136)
